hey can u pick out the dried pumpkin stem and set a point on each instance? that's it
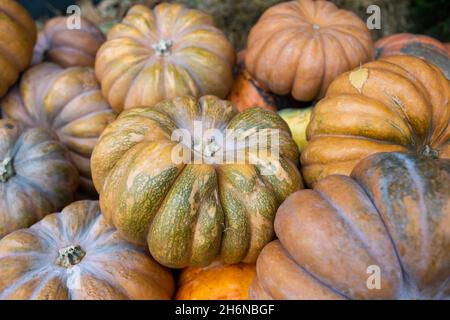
(429, 152)
(163, 47)
(70, 256)
(6, 169)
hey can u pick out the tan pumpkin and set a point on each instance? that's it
(217, 281)
(163, 53)
(398, 103)
(69, 103)
(36, 176)
(18, 36)
(59, 42)
(192, 211)
(421, 46)
(384, 233)
(300, 46)
(76, 255)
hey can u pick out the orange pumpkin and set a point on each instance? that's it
(398, 103)
(384, 233)
(18, 36)
(300, 46)
(68, 102)
(422, 46)
(76, 255)
(163, 53)
(217, 281)
(68, 47)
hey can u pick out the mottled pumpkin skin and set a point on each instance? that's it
(69, 103)
(393, 213)
(422, 46)
(192, 213)
(36, 176)
(109, 268)
(217, 281)
(398, 103)
(164, 53)
(68, 47)
(300, 46)
(16, 42)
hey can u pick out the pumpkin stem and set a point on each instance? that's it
(6, 169)
(163, 47)
(70, 256)
(429, 152)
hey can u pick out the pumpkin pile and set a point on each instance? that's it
(153, 162)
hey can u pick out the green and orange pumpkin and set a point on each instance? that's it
(193, 212)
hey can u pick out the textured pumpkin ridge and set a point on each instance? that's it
(203, 216)
(426, 118)
(422, 174)
(277, 33)
(82, 223)
(196, 46)
(68, 102)
(408, 195)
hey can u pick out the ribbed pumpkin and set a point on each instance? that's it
(300, 46)
(69, 103)
(398, 103)
(384, 233)
(191, 213)
(36, 176)
(76, 255)
(18, 36)
(163, 53)
(217, 281)
(422, 46)
(68, 47)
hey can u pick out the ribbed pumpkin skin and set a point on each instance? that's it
(111, 268)
(16, 42)
(394, 213)
(216, 282)
(69, 103)
(190, 214)
(398, 103)
(68, 47)
(422, 46)
(300, 46)
(38, 180)
(135, 70)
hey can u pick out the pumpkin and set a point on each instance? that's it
(382, 233)
(217, 281)
(69, 47)
(16, 43)
(246, 92)
(191, 210)
(76, 255)
(398, 103)
(67, 102)
(36, 176)
(300, 46)
(163, 53)
(422, 46)
(297, 120)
